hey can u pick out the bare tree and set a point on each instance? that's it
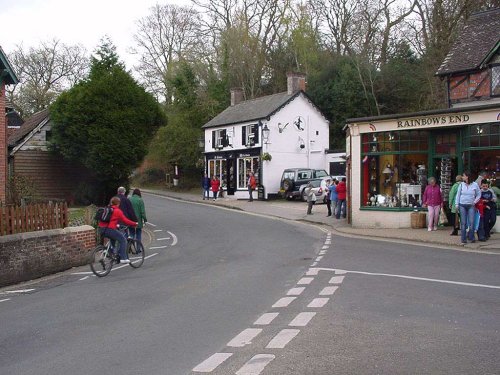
(170, 33)
(44, 72)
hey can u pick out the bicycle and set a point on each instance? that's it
(104, 256)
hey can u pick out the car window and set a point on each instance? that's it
(288, 174)
(321, 173)
(316, 183)
(303, 175)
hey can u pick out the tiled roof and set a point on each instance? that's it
(478, 39)
(252, 110)
(30, 124)
(13, 119)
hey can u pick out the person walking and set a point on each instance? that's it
(215, 185)
(468, 195)
(205, 185)
(451, 204)
(433, 200)
(489, 199)
(140, 213)
(311, 198)
(125, 205)
(341, 196)
(327, 197)
(251, 185)
(333, 196)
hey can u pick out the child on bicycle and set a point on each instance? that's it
(109, 230)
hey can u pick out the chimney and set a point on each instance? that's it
(295, 82)
(236, 96)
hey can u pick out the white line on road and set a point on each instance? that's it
(153, 225)
(305, 281)
(325, 247)
(245, 337)
(158, 247)
(84, 278)
(322, 252)
(212, 362)
(281, 339)
(312, 271)
(339, 272)
(163, 239)
(82, 273)
(256, 364)
(328, 291)
(319, 258)
(174, 242)
(328, 242)
(314, 264)
(318, 302)
(295, 291)
(302, 319)
(5, 299)
(18, 291)
(158, 230)
(265, 319)
(336, 280)
(284, 302)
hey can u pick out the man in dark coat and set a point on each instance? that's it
(126, 205)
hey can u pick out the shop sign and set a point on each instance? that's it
(219, 157)
(434, 120)
(244, 155)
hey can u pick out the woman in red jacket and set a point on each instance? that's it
(215, 184)
(341, 199)
(109, 230)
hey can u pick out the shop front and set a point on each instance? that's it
(392, 158)
(232, 168)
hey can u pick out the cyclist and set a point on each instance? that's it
(109, 230)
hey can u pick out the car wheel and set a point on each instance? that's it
(287, 184)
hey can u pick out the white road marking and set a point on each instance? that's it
(295, 291)
(265, 319)
(158, 230)
(245, 337)
(84, 278)
(328, 242)
(340, 272)
(256, 364)
(163, 239)
(158, 247)
(336, 280)
(148, 223)
(281, 339)
(319, 258)
(312, 271)
(322, 252)
(212, 362)
(325, 247)
(305, 281)
(174, 242)
(302, 319)
(18, 291)
(5, 299)
(284, 302)
(314, 264)
(82, 273)
(328, 291)
(318, 302)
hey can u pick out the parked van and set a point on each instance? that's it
(293, 180)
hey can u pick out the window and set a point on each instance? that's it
(495, 80)
(250, 135)
(219, 139)
(245, 165)
(217, 168)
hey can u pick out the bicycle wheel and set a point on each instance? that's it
(136, 253)
(101, 262)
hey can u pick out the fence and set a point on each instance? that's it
(33, 217)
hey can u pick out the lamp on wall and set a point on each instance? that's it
(265, 133)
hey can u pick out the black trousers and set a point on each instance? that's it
(329, 207)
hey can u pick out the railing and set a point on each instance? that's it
(33, 217)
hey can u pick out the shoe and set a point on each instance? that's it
(463, 243)
(435, 228)
(454, 233)
(483, 240)
(124, 261)
(429, 229)
(473, 241)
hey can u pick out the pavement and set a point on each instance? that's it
(296, 211)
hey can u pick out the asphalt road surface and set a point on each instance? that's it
(226, 292)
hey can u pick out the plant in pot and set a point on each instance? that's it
(266, 156)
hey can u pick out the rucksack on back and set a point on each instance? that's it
(104, 214)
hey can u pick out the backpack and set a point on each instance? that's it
(104, 214)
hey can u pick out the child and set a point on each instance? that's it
(488, 197)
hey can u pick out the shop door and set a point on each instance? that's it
(231, 173)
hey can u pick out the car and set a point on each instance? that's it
(323, 185)
(317, 189)
(292, 180)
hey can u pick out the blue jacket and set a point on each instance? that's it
(205, 183)
(333, 192)
(468, 194)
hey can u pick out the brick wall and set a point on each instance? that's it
(474, 86)
(26, 256)
(3, 145)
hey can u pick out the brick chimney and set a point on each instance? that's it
(236, 96)
(295, 82)
(3, 145)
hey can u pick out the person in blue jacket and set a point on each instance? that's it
(332, 188)
(205, 185)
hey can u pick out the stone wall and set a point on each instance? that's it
(27, 256)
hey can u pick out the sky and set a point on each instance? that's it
(29, 22)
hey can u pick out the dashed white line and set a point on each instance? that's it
(244, 338)
(336, 280)
(84, 278)
(266, 319)
(328, 291)
(319, 258)
(256, 364)
(153, 225)
(282, 338)
(82, 273)
(302, 319)
(158, 247)
(212, 362)
(325, 247)
(312, 271)
(18, 291)
(328, 242)
(305, 281)
(174, 242)
(323, 252)
(284, 302)
(295, 291)
(163, 239)
(158, 230)
(318, 302)
(314, 264)
(5, 299)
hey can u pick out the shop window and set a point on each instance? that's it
(218, 168)
(245, 165)
(495, 80)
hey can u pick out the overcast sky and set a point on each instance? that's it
(28, 22)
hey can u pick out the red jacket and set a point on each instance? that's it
(117, 218)
(432, 196)
(252, 182)
(215, 185)
(341, 190)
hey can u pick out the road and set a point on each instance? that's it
(228, 292)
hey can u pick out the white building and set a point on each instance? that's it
(286, 128)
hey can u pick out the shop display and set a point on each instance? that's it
(445, 178)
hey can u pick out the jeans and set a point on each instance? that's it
(490, 218)
(206, 193)
(116, 235)
(329, 207)
(136, 233)
(341, 208)
(433, 216)
(250, 194)
(334, 204)
(467, 213)
(215, 194)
